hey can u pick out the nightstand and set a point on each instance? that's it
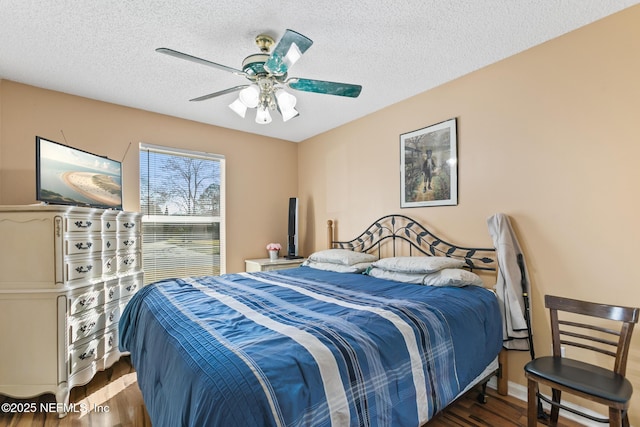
(265, 264)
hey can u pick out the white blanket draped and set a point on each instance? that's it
(509, 288)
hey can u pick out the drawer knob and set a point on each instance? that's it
(129, 225)
(83, 224)
(131, 287)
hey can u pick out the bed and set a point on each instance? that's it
(313, 346)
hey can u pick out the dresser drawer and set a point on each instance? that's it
(109, 242)
(130, 285)
(83, 269)
(83, 326)
(112, 314)
(129, 242)
(111, 291)
(111, 341)
(109, 222)
(91, 298)
(129, 262)
(83, 355)
(109, 264)
(82, 245)
(74, 224)
(128, 225)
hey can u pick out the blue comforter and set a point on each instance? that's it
(305, 347)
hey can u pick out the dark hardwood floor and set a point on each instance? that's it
(115, 400)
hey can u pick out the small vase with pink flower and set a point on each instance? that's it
(274, 251)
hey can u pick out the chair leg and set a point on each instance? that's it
(532, 403)
(555, 410)
(615, 417)
(625, 419)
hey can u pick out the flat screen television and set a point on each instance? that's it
(69, 176)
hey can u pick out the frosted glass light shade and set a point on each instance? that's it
(286, 102)
(262, 116)
(288, 113)
(250, 96)
(239, 108)
(285, 99)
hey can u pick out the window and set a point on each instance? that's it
(182, 202)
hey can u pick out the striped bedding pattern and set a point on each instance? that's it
(305, 347)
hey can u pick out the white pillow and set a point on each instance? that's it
(341, 256)
(446, 277)
(453, 277)
(396, 276)
(339, 268)
(418, 264)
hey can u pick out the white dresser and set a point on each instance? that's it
(66, 274)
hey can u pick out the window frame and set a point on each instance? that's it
(145, 149)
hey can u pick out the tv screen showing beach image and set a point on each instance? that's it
(74, 177)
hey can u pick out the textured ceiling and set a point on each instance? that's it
(105, 49)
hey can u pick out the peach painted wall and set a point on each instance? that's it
(256, 214)
(549, 137)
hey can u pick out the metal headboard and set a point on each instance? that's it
(396, 229)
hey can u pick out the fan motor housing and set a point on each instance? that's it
(253, 65)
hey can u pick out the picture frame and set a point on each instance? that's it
(429, 166)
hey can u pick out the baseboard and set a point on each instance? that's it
(520, 392)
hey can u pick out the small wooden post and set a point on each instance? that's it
(329, 234)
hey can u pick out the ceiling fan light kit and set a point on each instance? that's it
(268, 76)
(239, 108)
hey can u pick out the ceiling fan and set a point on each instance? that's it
(268, 77)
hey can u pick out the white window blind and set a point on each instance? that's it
(182, 202)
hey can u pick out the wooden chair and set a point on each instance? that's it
(595, 383)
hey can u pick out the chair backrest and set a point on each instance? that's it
(591, 336)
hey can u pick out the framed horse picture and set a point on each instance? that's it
(429, 166)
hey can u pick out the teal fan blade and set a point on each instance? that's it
(289, 49)
(329, 88)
